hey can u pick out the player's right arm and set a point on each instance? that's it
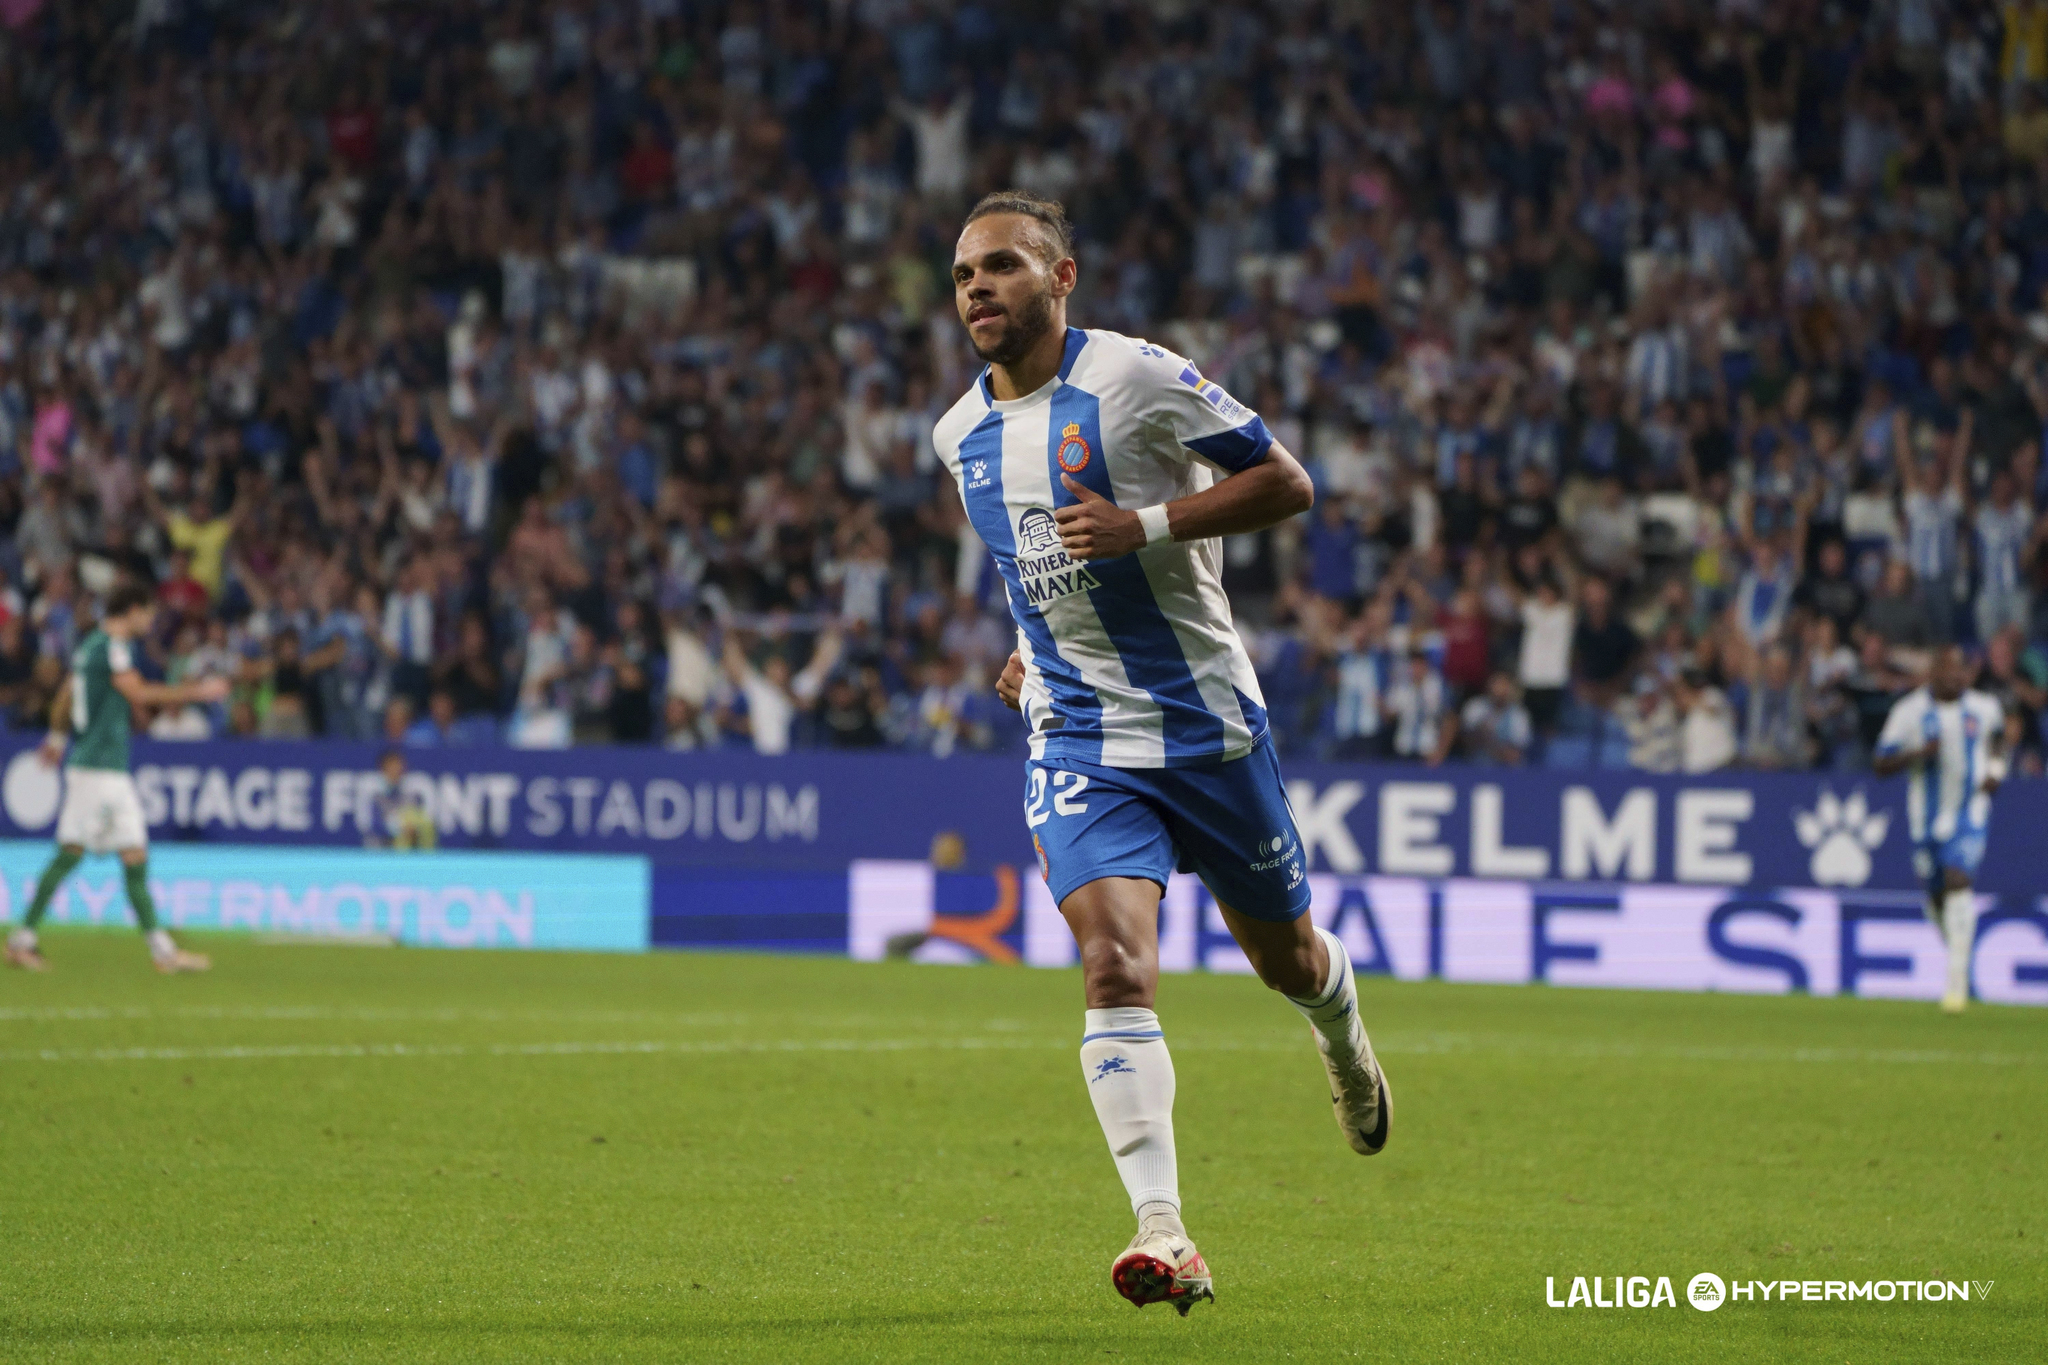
(1895, 750)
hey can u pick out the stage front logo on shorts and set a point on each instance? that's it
(1274, 852)
(1074, 453)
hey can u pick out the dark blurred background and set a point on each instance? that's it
(545, 373)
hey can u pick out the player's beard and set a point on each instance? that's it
(1026, 326)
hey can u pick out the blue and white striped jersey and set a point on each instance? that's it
(1946, 798)
(1130, 662)
(1931, 533)
(2002, 535)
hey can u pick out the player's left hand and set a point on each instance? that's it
(1095, 527)
(51, 752)
(1010, 685)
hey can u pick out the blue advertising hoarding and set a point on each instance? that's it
(819, 812)
(1725, 881)
(444, 900)
(1505, 932)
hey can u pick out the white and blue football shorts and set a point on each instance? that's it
(1227, 822)
(1963, 851)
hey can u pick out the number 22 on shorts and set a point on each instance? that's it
(1065, 789)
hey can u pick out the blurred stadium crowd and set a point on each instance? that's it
(549, 373)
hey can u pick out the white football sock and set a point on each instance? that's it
(1130, 1080)
(22, 940)
(1333, 1010)
(1959, 925)
(160, 945)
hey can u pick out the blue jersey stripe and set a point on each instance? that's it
(1254, 714)
(1076, 339)
(1130, 614)
(1073, 698)
(1236, 450)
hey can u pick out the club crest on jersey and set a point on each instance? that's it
(1045, 572)
(1073, 453)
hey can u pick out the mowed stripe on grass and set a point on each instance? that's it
(325, 1153)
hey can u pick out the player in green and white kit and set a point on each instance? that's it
(101, 810)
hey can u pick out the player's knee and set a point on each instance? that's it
(1113, 972)
(1955, 879)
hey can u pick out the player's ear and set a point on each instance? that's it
(1065, 271)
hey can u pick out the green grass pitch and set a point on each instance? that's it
(343, 1153)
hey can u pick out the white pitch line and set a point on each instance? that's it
(1394, 1045)
(265, 1052)
(70, 1013)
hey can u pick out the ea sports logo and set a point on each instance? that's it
(1706, 1291)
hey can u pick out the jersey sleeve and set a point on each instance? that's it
(1901, 727)
(1201, 415)
(120, 656)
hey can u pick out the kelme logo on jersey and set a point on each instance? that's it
(1044, 569)
(977, 474)
(1073, 452)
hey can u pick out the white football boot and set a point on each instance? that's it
(1161, 1266)
(1358, 1095)
(178, 960)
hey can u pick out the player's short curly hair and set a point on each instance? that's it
(1056, 240)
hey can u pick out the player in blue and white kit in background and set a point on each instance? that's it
(1100, 470)
(1950, 740)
